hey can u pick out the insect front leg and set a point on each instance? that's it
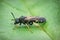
(20, 23)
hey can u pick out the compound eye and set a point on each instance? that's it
(17, 20)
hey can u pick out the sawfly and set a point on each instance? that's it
(28, 20)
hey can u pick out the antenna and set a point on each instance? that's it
(13, 15)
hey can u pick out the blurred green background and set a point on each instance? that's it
(50, 9)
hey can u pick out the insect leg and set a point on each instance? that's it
(29, 28)
(20, 23)
(37, 25)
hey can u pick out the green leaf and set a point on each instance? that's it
(50, 9)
